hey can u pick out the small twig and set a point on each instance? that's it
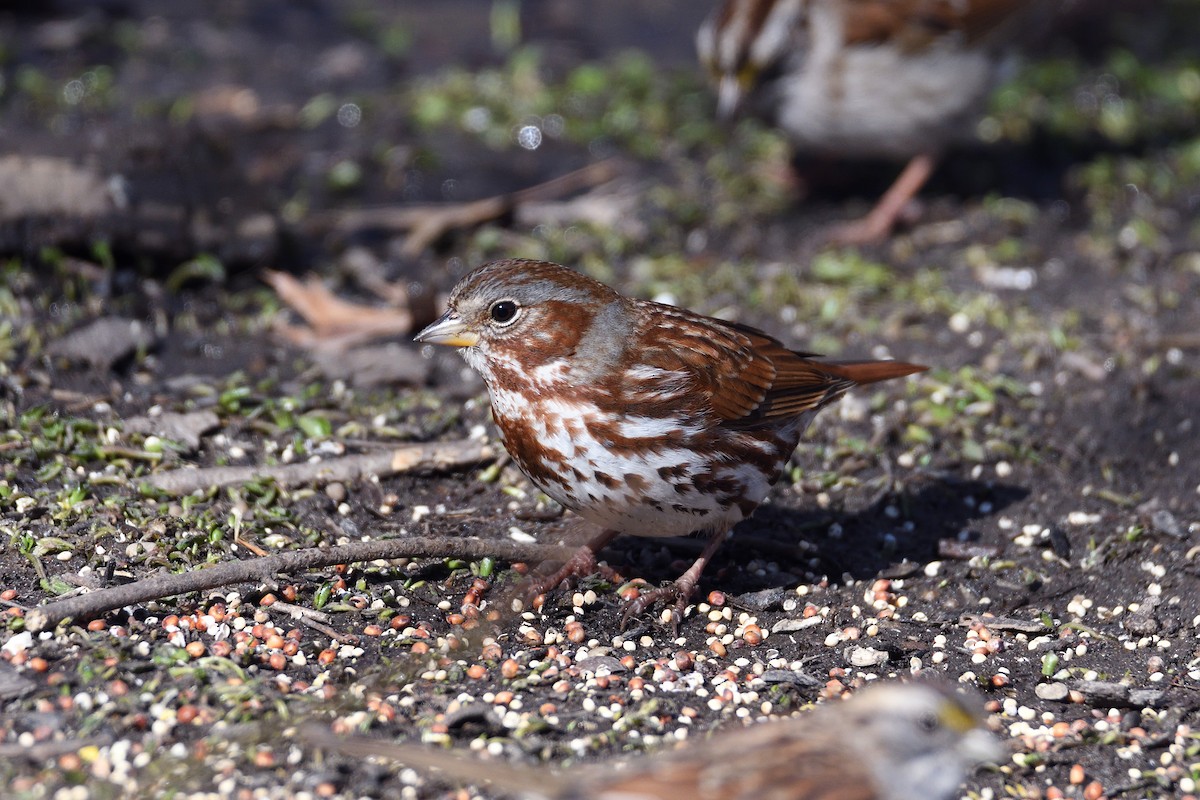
(116, 451)
(426, 224)
(1183, 341)
(300, 612)
(431, 456)
(44, 751)
(156, 587)
(249, 545)
(317, 620)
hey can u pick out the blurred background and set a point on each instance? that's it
(214, 208)
(226, 128)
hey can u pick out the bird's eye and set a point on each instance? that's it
(929, 722)
(504, 311)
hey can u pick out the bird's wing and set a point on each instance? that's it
(914, 23)
(738, 373)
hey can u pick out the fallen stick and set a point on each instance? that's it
(317, 620)
(430, 456)
(156, 587)
(426, 224)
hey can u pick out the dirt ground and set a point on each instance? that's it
(160, 159)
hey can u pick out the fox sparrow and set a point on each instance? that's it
(892, 741)
(640, 417)
(866, 78)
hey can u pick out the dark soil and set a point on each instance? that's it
(157, 158)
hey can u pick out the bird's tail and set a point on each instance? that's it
(871, 371)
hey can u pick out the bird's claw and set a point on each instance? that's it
(676, 590)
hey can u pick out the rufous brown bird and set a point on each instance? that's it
(640, 417)
(891, 741)
(892, 79)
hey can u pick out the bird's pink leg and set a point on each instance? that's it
(880, 220)
(681, 590)
(581, 563)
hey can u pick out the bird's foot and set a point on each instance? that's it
(581, 564)
(895, 204)
(680, 590)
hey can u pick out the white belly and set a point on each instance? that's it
(879, 102)
(648, 490)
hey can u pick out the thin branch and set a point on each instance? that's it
(317, 620)
(431, 456)
(44, 751)
(426, 224)
(87, 606)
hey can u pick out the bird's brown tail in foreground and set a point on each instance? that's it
(863, 372)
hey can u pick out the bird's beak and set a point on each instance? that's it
(449, 330)
(729, 97)
(980, 746)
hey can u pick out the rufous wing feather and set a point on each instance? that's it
(914, 23)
